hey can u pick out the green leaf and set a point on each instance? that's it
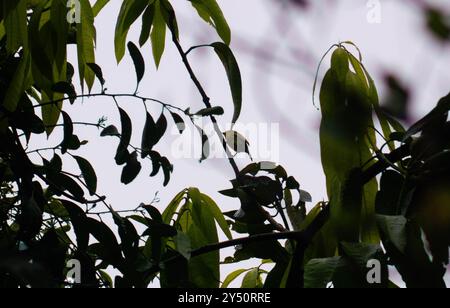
(15, 23)
(217, 214)
(138, 62)
(319, 272)
(200, 226)
(86, 38)
(88, 173)
(210, 11)
(20, 82)
(251, 279)
(98, 6)
(131, 169)
(234, 76)
(171, 209)
(129, 13)
(158, 34)
(394, 230)
(232, 277)
(340, 63)
(147, 23)
(183, 245)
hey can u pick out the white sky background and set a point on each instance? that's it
(278, 49)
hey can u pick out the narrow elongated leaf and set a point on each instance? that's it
(129, 13)
(15, 23)
(20, 82)
(234, 76)
(86, 38)
(210, 11)
(98, 6)
(147, 23)
(217, 214)
(158, 35)
(232, 277)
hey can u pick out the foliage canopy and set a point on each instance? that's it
(382, 199)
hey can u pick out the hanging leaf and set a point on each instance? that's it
(20, 82)
(86, 38)
(167, 169)
(78, 219)
(129, 13)
(179, 122)
(68, 132)
(122, 151)
(210, 11)
(161, 128)
(158, 35)
(138, 61)
(234, 76)
(156, 162)
(148, 136)
(147, 23)
(88, 173)
(65, 88)
(98, 72)
(131, 169)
